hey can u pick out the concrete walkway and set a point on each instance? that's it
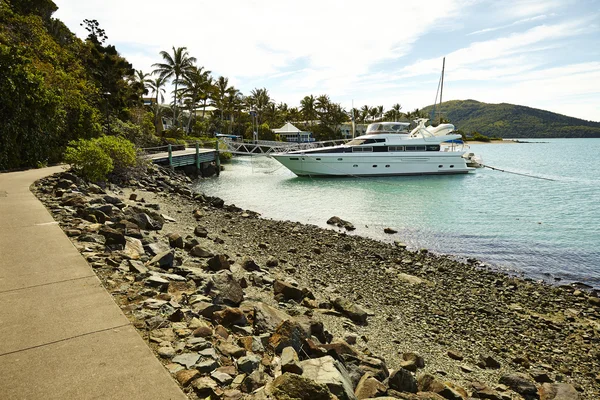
(61, 334)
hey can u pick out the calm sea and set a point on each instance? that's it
(544, 229)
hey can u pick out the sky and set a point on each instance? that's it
(538, 53)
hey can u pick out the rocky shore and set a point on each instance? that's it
(241, 307)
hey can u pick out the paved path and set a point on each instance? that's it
(61, 334)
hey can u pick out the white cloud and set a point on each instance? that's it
(352, 49)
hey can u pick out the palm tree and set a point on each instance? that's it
(175, 65)
(308, 108)
(396, 109)
(158, 89)
(194, 83)
(380, 111)
(259, 99)
(365, 111)
(220, 87)
(140, 82)
(233, 105)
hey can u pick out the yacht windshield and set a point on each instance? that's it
(393, 127)
(355, 142)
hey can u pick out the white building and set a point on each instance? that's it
(290, 133)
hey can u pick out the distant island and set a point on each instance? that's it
(513, 121)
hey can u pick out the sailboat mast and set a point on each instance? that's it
(442, 88)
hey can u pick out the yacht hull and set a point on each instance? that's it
(373, 164)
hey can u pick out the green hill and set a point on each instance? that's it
(513, 121)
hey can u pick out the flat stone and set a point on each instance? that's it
(186, 359)
(292, 386)
(331, 373)
(558, 391)
(290, 361)
(248, 363)
(186, 376)
(520, 383)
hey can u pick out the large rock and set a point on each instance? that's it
(288, 333)
(225, 289)
(292, 386)
(428, 383)
(402, 381)
(164, 259)
(175, 240)
(558, 391)
(520, 383)
(290, 361)
(288, 291)
(112, 236)
(369, 387)
(330, 372)
(350, 310)
(266, 318)
(201, 231)
(218, 263)
(200, 251)
(144, 221)
(248, 363)
(133, 248)
(230, 316)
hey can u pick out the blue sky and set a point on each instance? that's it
(539, 53)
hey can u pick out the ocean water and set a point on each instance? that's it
(546, 229)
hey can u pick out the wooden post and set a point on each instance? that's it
(170, 157)
(197, 156)
(217, 159)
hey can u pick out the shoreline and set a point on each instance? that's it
(525, 326)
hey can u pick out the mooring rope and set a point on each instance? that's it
(517, 173)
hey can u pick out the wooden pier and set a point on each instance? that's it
(175, 156)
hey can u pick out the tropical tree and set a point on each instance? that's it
(365, 112)
(308, 108)
(396, 111)
(259, 99)
(140, 82)
(157, 86)
(380, 112)
(195, 88)
(175, 66)
(220, 89)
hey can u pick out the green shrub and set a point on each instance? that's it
(88, 159)
(95, 159)
(225, 156)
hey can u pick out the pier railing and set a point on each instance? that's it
(265, 147)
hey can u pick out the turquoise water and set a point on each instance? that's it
(545, 229)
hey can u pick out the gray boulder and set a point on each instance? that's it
(331, 373)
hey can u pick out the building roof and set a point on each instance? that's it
(287, 128)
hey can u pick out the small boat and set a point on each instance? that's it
(386, 149)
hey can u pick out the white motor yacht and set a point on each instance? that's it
(387, 148)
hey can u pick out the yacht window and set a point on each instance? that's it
(415, 148)
(433, 148)
(355, 142)
(374, 166)
(294, 158)
(396, 148)
(371, 141)
(318, 159)
(362, 149)
(452, 166)
(340, 159)
(355, 165)
(440, 166)
(387, 166)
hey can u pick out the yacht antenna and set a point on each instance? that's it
(442, 88)
(353, 122)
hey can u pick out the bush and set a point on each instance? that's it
(95, 159)
(88, 159)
